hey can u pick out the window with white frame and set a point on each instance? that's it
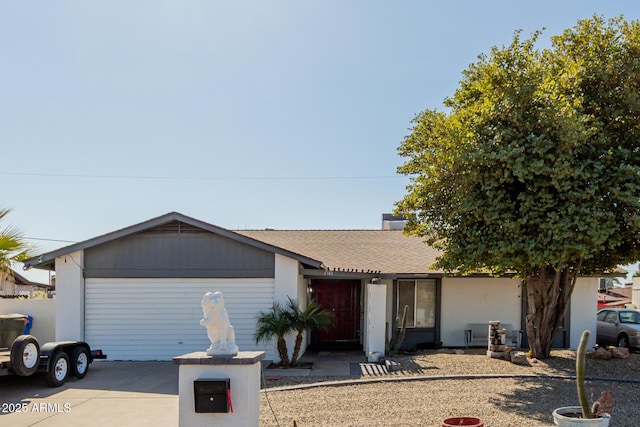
(420, 296)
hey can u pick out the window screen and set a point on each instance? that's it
(420, 296)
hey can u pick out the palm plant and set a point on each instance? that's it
(275, 323)
(13, 247)
(312, 317)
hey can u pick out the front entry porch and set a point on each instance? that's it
(343, 299)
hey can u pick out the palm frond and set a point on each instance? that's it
(13, 247)
(273, 323)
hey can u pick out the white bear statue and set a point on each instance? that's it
(219, 330)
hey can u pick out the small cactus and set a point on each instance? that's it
(605, 402)
(387, 344)
(580, 362)
(399, 333)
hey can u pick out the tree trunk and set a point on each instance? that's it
(296, 349)
(283, 352)
(548, 292)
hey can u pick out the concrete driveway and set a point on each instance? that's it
(112, 394)
(124, 393)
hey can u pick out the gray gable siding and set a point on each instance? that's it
(173, 222)
(188, 253)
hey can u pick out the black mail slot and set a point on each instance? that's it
(212, 395)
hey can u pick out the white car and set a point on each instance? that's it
(619, 327)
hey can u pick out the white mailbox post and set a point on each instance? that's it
(219, 386)
(243, 374)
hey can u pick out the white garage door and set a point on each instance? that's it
(158, 319)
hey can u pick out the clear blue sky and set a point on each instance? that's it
(283, 114)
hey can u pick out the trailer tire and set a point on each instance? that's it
(25, 355)
(80, 360)
(58, 369)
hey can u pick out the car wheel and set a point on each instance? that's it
(79, 362)
(25, 355)
(623, 341)
(58, 369)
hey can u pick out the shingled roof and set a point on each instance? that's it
(383, 251)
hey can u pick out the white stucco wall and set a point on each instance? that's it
(584, 305)
(303, 299)
(43, 313)
(289, 283)
(302, 293)
(286, 278)
(70, 297)
(477, 300)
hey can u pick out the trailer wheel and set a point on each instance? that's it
(58, 369)
(79, 362)
(25, 355)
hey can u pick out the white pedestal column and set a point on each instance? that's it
(242, 370)
(374, 340)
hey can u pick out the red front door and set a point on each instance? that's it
(342, 298)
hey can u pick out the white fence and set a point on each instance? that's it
(43, 313)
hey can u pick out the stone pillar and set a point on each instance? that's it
(496, 347)
(243, 371)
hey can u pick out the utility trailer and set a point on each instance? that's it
(58, 360)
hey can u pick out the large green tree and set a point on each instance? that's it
(534, 166)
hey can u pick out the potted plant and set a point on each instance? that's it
(596, 415)
(463, 421)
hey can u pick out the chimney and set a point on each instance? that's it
(393, 222)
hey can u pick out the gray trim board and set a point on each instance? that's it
(338, 274)
(190, 273)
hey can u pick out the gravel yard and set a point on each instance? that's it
(426, 399)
